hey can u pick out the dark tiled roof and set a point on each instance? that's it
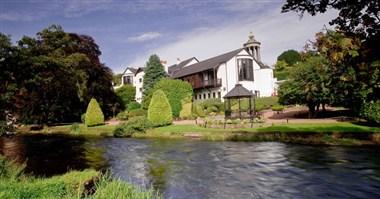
(139, 70)
(238, 91)
(206, 64)
(176, 67)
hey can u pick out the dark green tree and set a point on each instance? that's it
(154, 71)
(309, 84)
(175, 90)
(51, 78)
(126, 93)
(291, 57)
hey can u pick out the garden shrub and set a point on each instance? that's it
(198, 110)
(134, 125)
(371, 111)
(83, 118)
(133, 106)
(74, 128)
(263, 103)
(136, 112)
(94, 114)
(122, 115)
(175, 90)
(159, 111)
(186, 112)
(277, 108)
(126, 93)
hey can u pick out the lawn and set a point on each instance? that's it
(331, 133)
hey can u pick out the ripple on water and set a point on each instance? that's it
(199, 169)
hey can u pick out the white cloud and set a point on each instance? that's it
(144, 37)
(277, 32)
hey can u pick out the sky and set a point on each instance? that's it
(128, 32)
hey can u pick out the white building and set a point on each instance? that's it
(216, 76)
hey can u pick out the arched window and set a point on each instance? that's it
(245, 69)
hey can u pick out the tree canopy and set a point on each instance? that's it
(291, 57)
(52, 77)
(154, 71)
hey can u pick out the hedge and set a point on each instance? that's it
(175, 90)
(160, 111)
(94, 114)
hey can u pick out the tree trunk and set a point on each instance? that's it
(311, 110)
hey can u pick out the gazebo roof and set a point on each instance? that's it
(239, 92)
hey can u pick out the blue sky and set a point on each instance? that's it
(129, 31)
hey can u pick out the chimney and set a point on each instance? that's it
(178, 60)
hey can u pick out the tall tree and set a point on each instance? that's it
(154, 71)
(309, 84)
(55, 75)
(353, 49)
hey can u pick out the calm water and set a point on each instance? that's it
(198, 169)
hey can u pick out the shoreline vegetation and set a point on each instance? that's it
(342, 133)
(89, 184)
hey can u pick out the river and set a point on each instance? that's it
(202, 169)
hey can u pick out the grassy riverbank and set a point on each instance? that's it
(75, 184)
(343, 133)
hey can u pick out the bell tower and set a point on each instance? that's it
(253, 47)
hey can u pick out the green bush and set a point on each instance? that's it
(83, 118)
(136, 112)
(74, 128)
(159, 111)
(198, 110)
(122, 115)
(175, 90)
(263, 103)
(134, 125)
(94, 114)
(126, 93)
(371, 111)
(186, 112)
(277, 108)
(133, 106)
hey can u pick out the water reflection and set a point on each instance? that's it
(51, 155)
(198, 169)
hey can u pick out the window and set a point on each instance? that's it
(195, 97)
(204, 95)
(245, 69)
(140, 80)
(127, 80)
(219, 95)
(140, 89)
(213, 95)
(209, 95)
(200, 96)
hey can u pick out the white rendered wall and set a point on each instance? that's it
(138, 85)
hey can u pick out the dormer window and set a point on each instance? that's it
(245, 69)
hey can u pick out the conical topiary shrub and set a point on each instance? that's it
(159, 111)
(94, 115)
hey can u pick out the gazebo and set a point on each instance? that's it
(239, 93)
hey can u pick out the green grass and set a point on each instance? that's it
(343, 127)
(15, 185)
(332, 134)
(103, 130)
